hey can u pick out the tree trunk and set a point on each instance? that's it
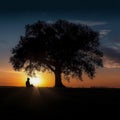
(58, 80)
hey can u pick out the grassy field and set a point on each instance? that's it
(58, 103)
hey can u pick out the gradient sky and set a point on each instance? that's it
(101, 15)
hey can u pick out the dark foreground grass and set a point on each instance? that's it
(58, 103)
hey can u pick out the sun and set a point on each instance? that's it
(36, 81)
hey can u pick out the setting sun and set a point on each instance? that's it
(36, 81)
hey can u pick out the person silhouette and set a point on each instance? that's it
(28, 83)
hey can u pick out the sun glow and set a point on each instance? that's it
(36, 81)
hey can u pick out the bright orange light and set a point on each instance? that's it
(36, 81)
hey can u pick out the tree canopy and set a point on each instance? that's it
(60, 47)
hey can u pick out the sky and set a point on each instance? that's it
(101, 15)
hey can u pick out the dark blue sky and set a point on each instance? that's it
(92, 9)
(16, 6)
(101, 15)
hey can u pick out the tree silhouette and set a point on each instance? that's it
(60, 47)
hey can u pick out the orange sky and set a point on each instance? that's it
(105, 77)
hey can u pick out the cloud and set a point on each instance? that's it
(104, 33)
(110, 63)
(111, 57)
(89, 23)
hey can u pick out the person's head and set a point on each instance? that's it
(28, 79)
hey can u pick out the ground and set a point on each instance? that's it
(58, 103)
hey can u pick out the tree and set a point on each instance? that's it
(60, 47)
